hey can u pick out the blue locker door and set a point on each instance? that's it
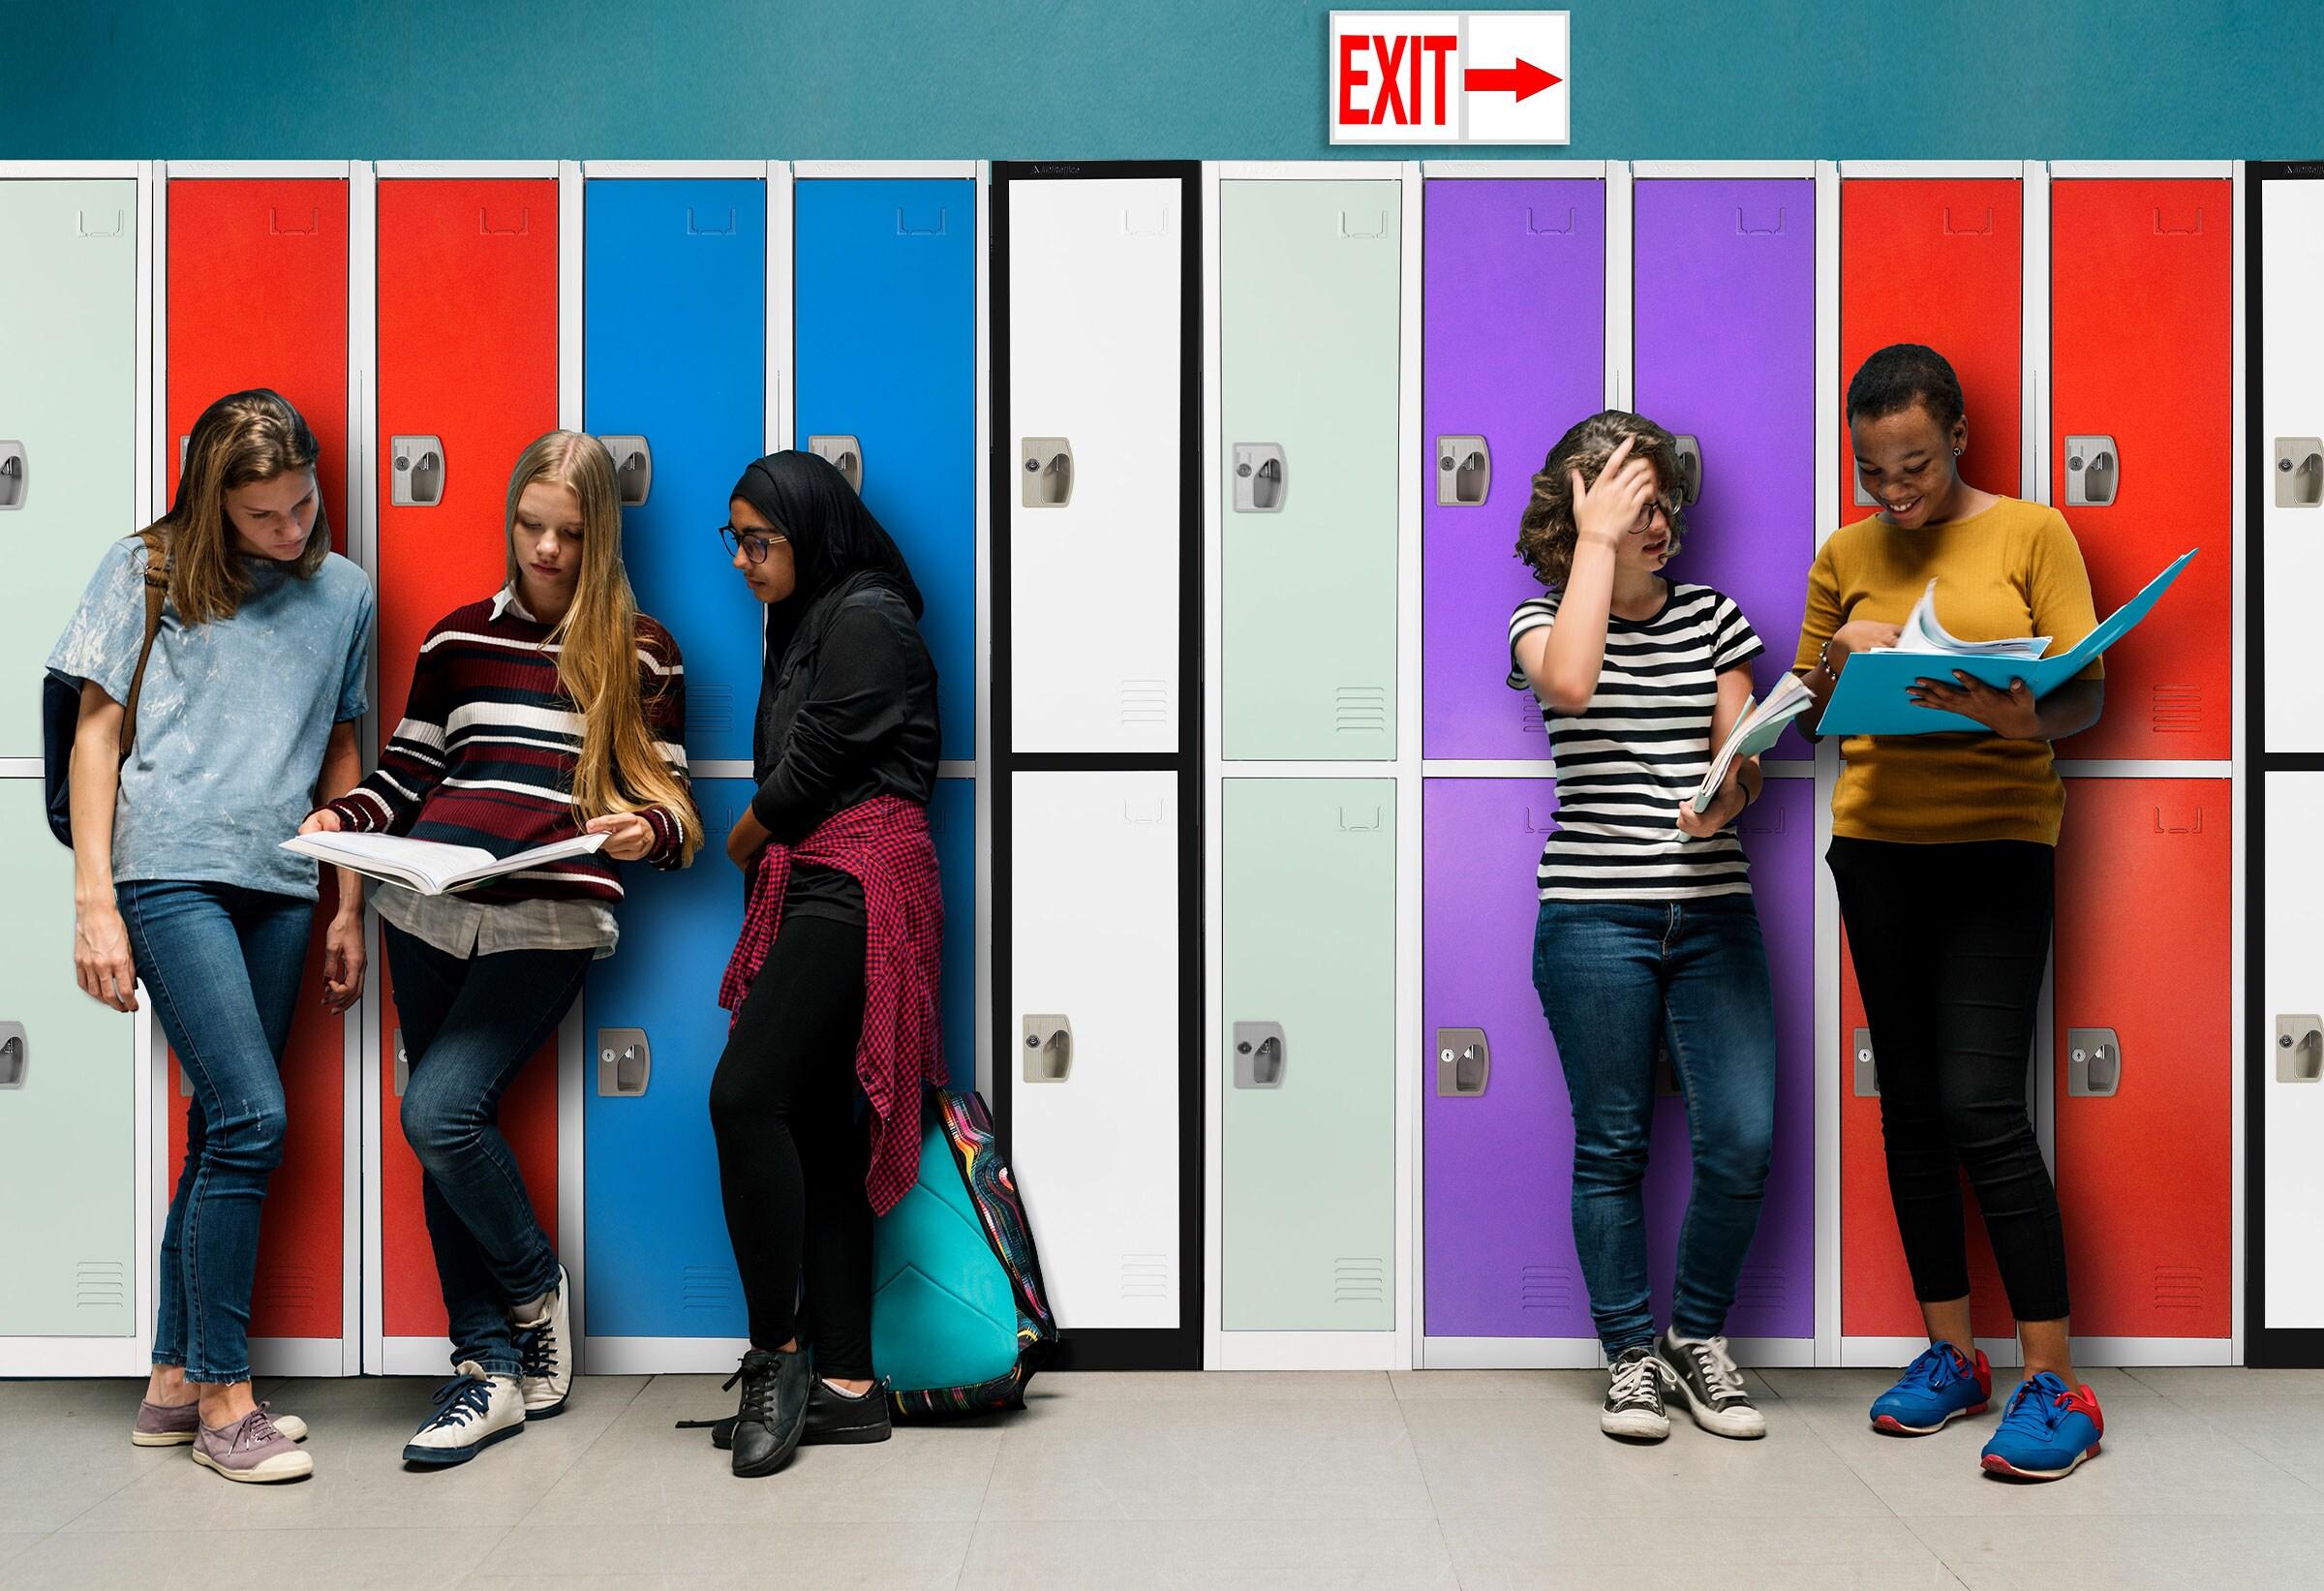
(885, 342)
(952, 820)
(658, 1262)
(674, 351)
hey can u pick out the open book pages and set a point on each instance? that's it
(1923, 633)
(429, 865)
(1760, 728)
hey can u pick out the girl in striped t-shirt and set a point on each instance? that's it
(1646, 936)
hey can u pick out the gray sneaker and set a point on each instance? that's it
(1701, 1372)
(250, 1449)
(172, 1426)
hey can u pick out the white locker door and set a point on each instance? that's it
(1094, 392)
(1094, 1095)
(2291, 434)
(2293, 1151)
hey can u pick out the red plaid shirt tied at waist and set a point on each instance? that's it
(884, 843)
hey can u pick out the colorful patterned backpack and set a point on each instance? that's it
(960, 1321)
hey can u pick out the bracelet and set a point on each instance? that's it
(1823, 660)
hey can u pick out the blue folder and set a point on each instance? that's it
(1870, 698)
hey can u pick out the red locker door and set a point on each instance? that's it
(1938, 260)
(468, 355)
(2141, 345)
(2144, 1175)
(256, 275)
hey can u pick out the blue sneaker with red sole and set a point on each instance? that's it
(1937, 1388)
(2046, 1432)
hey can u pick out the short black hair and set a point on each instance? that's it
(1902, 374)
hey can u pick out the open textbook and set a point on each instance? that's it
(1870, 698)
(1758, 729)
(429, 865)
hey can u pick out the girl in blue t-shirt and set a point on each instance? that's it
(247, 707)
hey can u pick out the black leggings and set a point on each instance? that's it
(1950, 943)
(793, 1151)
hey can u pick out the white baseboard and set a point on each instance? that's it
(299, 1356)
(1509, 1354)
(1894, 1353)
(36, 1357)
(661, 1356)
(1304, 1351)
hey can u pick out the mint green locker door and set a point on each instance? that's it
(68, 1113)
(1309, 297)
(68, 415)
(1308, 1069)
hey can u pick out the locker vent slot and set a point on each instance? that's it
(2178, 1287)
(1545, 1287)
(1146, 1275)
(1964, 227)
(289, 1287)
(904, 228)
(2178, 709)
(1531, 716)
(1359, 1281)
(706, 1287)
(697, 226)
(1359, 710)
(99, 1284)
(710, 707)
(1760, 1287)
(1144, 702)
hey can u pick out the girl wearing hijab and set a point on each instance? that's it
(833, 984)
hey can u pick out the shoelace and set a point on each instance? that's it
(255, 1431)
(459, 1401)
(1936, 1368)
(1720, 1373)
(2038, 1405)
(1631, 1376)
(759, 1388)
(537, 1350)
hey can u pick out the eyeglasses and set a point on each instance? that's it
(1667, 507)
(756, 544)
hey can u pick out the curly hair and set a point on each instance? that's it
(1546, 533)
(1900, 375)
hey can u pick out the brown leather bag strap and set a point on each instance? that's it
(157, 591)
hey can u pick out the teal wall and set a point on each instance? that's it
(1116, 78)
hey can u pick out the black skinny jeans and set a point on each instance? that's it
(1949, 942)
(793, 1151)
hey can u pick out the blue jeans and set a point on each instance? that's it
(469, 1023)
(223, 966)
(1615, 977)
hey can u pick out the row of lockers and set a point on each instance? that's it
(1729, 307)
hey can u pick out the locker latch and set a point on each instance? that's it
(1465, 1062)
(632, 468)
(12, 475)
(1866, 1077)
(1864, 499)
(1464, 470)
(1689, 468)
(2093, 1063)
(625, 1062)
(402, 1063)
(2093, 471)
(1048, 1049)
(847, 455)
(1257, 477)
(185, 1082)
(416, 479)
(1046, 468)
(2300, 1049)
(185, 451)
(1258, 1055)
(14, 1055)
(2299, 471)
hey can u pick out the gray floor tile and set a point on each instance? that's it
(78, 1455)
(2288, 1431)
(15, 1542)
(1327, 1461)
(1472, 1386)
(1704, 1551)
(1257, 1555)
(2209, 1380)
(644, 1471)
(1511, 1459)
(777, 1550)
(314, 1560)
(1863, 1385)
(1216, 1386)
(360, 1427)
(2125, 1554)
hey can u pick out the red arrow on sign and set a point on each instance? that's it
(1524, 80)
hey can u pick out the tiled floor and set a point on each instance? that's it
(2209, 1477)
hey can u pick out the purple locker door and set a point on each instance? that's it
(1777, 1295)
(1497, 1236)
(1726, 349)
(1513, 337)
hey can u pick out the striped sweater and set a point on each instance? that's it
(485, 753)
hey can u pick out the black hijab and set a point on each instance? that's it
(837, 545)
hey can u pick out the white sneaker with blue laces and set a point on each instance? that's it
(544, 1341)
(473, 1411)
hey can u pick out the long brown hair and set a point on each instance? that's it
(242, 438)
(620, 768)
(1546, 533)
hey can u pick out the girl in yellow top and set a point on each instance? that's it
(1942, 848)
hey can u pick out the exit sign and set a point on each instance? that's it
(1449, 77)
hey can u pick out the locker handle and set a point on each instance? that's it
(522, 229)
(12, 475)
(1465, 1062)
(274, 222)
(847, 455)
(1048, 471)
(2300, 1049)
(1048, 1049)
(1258, 1055)
(403, 1061)
(632, 468)
(2093, 471)
(625, 1062)
(904, 228)
(2299, 471)
(1259, 476)
(415, 472)
(81, 224)
(2161, 231)
(1951, 231)
(1534, 227)
(1464, 470)
(695, 229)
(1863, 1070)
(1689, 468)
(16, 1054)
(2093, 1063)
(1746, 230)
(1350, 234)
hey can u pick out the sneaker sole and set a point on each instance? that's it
(185, 1439)
(854, 1437)
(548, 1411)
(445, 1457)
(1993, 1463)
(252, 1476)
(1888, 1424)
(1633, 1427)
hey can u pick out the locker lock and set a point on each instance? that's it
(14, 1055)
(1689, 469)
(1464, 470)
(2300, 1049)
(403, 1063)
(415, 473)
(1465, 1062)
(2093, 1063)
(1048, 1049)
(12, 475)
(632, 468)
(1258, 1055)
(625, 1062)
(2093, 471)
(1864, 1075)
(1046, 468)
(847, 455)
(1257, 477)
(2299, 471)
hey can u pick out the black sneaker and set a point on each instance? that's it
(1709, 1384)
(772, 1414)
(833, 1417)
(1634, 1399)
